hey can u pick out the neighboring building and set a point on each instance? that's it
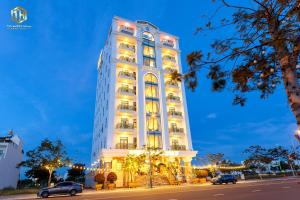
(137, 104)
(10, 155)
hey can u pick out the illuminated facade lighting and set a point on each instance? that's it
(135, 96)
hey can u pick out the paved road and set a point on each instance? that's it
(269, 190)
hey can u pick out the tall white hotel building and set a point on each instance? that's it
(137, 104)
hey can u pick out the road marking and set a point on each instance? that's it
(218, 195)
(256, 190)
(286, 187)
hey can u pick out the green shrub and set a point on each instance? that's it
(99, 178)
(111, 177)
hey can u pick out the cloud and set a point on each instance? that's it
(211, 116)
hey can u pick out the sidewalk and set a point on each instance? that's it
(141, 189)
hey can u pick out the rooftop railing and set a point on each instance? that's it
(168, 43)
(126, 30)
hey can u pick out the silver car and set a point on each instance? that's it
(67, 187)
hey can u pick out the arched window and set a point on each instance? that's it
(148, 36)
(150, 78)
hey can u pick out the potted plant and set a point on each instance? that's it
(111, 178)
(201, 175)
(99, 179)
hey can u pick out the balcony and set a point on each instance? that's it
(126, 109)
(127, 59)
(127, 75)
(125, 146)
(175, 114)
(125, 127)
(170, 70)
(126, 91)
(168, 43)
(176, 131)
(168, 59)
(172, 84)
(178, 147)
(127, 47)
(127, 30)
(173, 99)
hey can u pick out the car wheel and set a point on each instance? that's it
(73, 192)
(45, 194)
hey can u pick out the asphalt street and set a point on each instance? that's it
(268, 190)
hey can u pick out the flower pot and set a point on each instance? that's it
(98, 186)
(110, 186)
(202, 180)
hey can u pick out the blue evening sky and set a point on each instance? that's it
(48, 76)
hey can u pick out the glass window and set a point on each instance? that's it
(153, 124)
(150, 62)
(154, 141)
(152, 107)
(148, 36)
(151, 91)
(149, 51)
(150, 78)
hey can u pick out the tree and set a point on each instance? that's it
(40, 175)
(215, 158)
(77, 173)
(48, 156)
(262, 52)
(131, 165)
(258, 157)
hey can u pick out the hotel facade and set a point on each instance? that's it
(138, 106)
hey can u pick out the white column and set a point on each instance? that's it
(186, 115)
(163, 103)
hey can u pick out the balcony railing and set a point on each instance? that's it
(173, 98)
(178, 147)
(127, 75)
(126, 107)
(125, 126)
(176, 130)
(126, 30)
(168, 43)
(172, 84)
(126, 90)
(169, 70)
(175, 113)
(125, 146)
(168, 58)
(127, 47)
(127, 59)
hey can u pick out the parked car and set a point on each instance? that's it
(67, 187)
(225, 178)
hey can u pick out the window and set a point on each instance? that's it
(148, 36)
(151, 91)
(153, 124)
(149, 51)
(150, 78)
(149, 62)
(152, 107)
